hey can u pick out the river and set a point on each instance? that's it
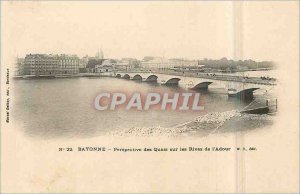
(52, 108)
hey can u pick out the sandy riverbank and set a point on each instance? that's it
(216, 122)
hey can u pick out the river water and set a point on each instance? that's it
(51, 108)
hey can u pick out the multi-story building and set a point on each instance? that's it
(107, 65)
(68, 64)
(19, 66)
(42, 64)
(84, 61)
(183, 62)
(127, 64)
(161, 62)
(155, 63)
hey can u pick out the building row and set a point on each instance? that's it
(95, 65)
(161, 62)
(44, 64)
(127, 64)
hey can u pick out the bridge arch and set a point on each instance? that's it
(202, 86)
(246, 94)
(151, 78)
(137, 77)
(126, 76)
(172, 82)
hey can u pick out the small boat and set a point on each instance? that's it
(257, 107)
(258, 110)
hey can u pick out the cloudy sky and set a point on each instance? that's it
(194, 29)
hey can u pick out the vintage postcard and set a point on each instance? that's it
(149, 96)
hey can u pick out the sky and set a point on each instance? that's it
(193, 29)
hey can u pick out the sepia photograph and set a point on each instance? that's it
(149, 96)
